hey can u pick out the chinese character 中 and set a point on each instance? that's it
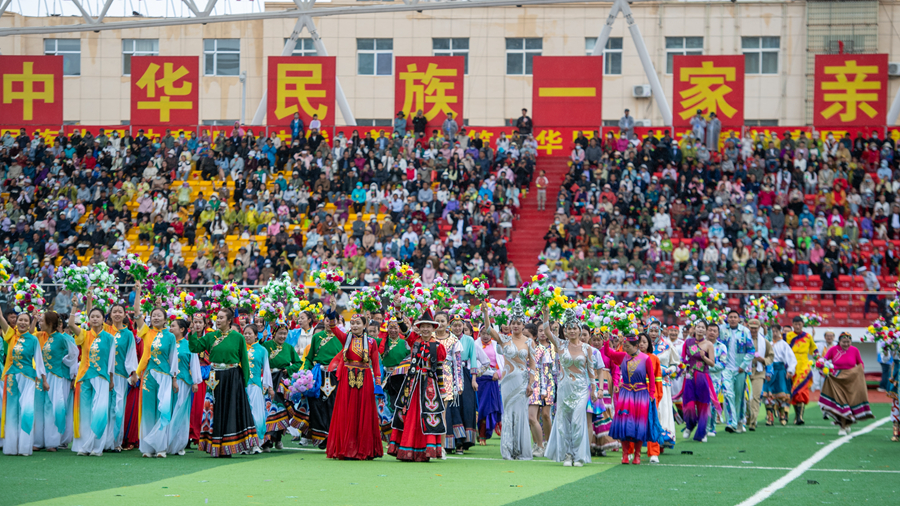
(165, 104)
(427, 88)
(28, 95)
(294, 86)
(846, 94)
(709, 89)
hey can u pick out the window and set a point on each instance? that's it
(612, 55)
(374, 57)
(221, 57)
(681, 45)
(760, 122)
(137, 47)
(520, 54)
(304, 47)
(760, 54)
(70, 50)
(452, 47)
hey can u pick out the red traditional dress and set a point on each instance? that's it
(418, 425)
(355, 431)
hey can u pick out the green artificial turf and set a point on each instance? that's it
(724, 471)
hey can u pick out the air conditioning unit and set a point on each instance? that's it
(641, 91)
(643, 123)
(894, 69)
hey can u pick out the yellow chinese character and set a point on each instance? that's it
(165, 105)
(427, 88)
(484, 135)
(848, 97)
(703, 95)
(28, 95)
(294, 86)
(549, 141)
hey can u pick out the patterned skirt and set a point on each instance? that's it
(227, 426)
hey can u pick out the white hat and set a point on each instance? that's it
(779, 279)
(704, 278)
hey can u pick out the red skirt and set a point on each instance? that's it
(354, 432)
(410, 443)
(197, 411)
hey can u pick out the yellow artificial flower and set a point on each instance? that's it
(871, 329)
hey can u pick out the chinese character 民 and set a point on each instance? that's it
(28, 95)
(427, 88)
(709, 89)
(846, 94)
(294, 86)
(165, 105)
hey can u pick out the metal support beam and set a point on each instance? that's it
(349, 119)
(289, 46)
(104, 11)
(658, 93)
(894, 111)
(87, 17)
(192, 7)
(4, 6)
(340, 10)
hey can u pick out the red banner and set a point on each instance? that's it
(851, 90)
(431, 84)
(49, 134)
(95, 129)
(32, 90)
(301, 85)
(165, 90)
(567, 90)
(710, 84)
(153, 132)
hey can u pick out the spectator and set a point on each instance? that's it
(524, 123)
(626, 125)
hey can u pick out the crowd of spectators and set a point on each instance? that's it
(440, 200)
(741, 212)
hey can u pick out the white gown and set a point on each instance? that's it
(669, 358)
(570, 434)
(515, 437)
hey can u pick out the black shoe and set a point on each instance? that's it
(729, 429)
(751, 429)
(323, 445)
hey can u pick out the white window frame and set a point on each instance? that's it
(761, 52)
(304, 47)
(67, 54)
(127, 53)
(524, 52)
(683, 50)
(375, 52)
(215, 52)
(453, 51)
(590, 42)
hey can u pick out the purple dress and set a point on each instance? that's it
(635, 419)
(696, 392)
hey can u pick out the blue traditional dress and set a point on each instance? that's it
(189, 374)
(53, 416)
(157, 368)
(98, 362)
(23, 370)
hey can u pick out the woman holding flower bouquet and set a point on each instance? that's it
(844, 398)
(228, 426)
(186, 380)
(697, 355)
(260, 381)
(124, 376)
(460, 396)
(157, 369)
(23, 368)
(284, 362)
(93, 382)
(61, 361)
(355, 431)
(804, 347)
(776, 390)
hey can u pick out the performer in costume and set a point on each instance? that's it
(459, 400)
(804, 347)
(260, 380)
(322, 350)
(716, 374)
(763, 357)
(845, 399)
(543, 390)
(669, 359)
(418, 425)
(515, 385)
(599, 412)
(777, 391)
(740, 351)
(227, 420)
(23, 373)
(355, 431)
(53, 419)
(92, 383)
(697, 355)
(603, 423)
(157, 368)
(677, 382)
(654, 387)
(284, 362)
(198, 329)
(394, 351)
(124, 377)
(635, 420)
(892, 393)
(302, 337)
(186, 381)
(490, 365)
(570, 436)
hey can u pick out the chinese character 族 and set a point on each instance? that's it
(427, 88)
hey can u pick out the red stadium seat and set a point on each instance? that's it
(837, 320)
